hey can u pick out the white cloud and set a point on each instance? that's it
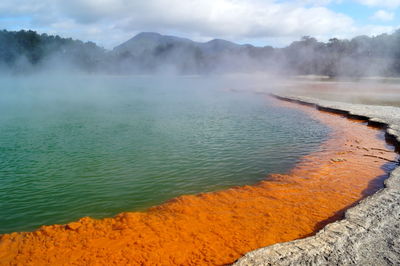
(383, 15)
(109, 22)
(233, 19)
(318, 2)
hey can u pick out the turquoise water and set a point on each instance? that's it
(97, 146)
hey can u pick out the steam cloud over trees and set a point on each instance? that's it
(28, 51)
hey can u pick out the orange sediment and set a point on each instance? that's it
(217, 228)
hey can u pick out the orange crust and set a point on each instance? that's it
(217, 228)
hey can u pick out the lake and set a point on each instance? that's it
(96, 146)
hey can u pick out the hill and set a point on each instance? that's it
(24, 51)
(153, 51)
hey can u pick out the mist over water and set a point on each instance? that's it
(74, 146)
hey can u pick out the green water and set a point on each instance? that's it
(97, 146)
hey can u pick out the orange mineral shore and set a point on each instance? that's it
(219, 227)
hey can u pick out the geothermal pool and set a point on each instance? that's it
(98, 146)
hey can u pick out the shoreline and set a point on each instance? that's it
(93, 237)
(370, 231)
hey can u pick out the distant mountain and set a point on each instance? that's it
(218, 45)
(156, 51)
(148, 41)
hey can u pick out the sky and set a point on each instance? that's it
(258, 22)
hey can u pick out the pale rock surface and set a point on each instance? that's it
(370, 232)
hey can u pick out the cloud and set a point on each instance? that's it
(110, 22)
(232, 19)
(10, 8)
(383, 15)
(318, 2)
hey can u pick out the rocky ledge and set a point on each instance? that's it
(370, 232)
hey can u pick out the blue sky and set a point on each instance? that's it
(259, 22)
(364, 14)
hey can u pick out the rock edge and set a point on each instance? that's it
(370, 232)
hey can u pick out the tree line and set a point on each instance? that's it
(25, 51)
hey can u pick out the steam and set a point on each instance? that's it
(26, 52)
(306, 67)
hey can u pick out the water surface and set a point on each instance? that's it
(97, 146)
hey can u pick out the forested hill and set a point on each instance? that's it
(27, 51)
(23, 51)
